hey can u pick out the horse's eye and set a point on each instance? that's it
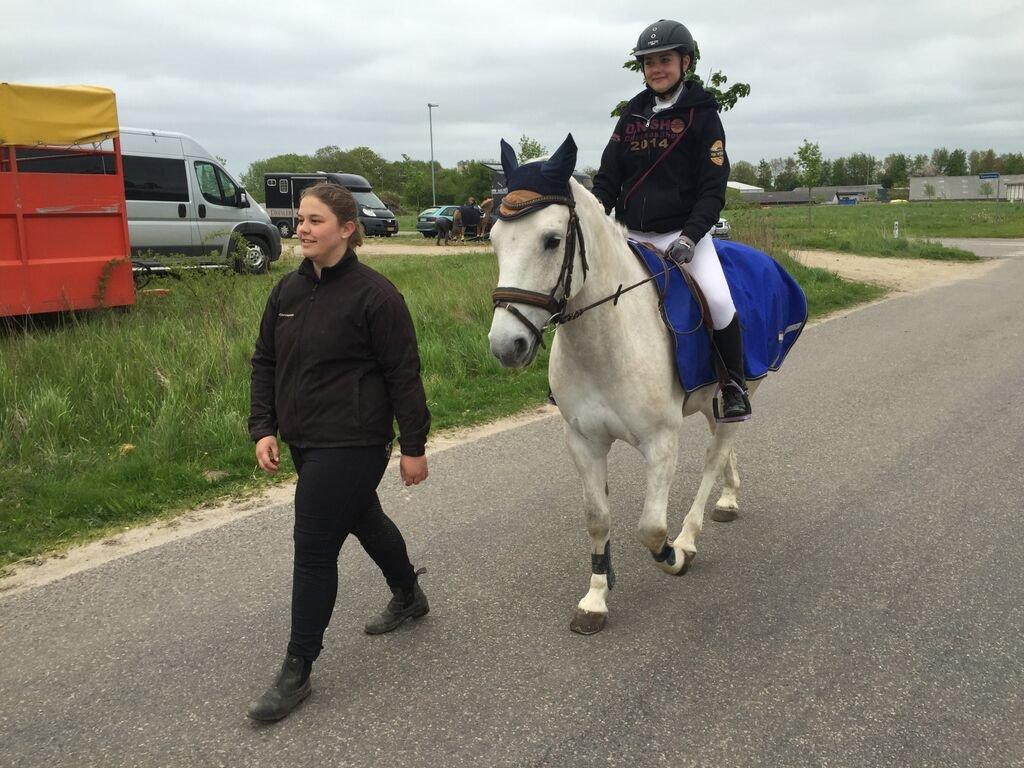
(552, 242)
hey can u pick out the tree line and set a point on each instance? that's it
(404, 185)
(892, 171)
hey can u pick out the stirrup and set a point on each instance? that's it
(719, 418)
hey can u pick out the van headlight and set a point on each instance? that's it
(368, 212)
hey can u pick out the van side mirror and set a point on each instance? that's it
(243, 199)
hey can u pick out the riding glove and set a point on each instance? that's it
(681, 251)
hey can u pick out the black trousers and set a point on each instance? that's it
(337, 495)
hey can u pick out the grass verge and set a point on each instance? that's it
(868, 229)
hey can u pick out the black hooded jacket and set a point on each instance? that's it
(336, 362)
(668, 170)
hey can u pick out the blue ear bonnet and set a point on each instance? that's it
(545, 177)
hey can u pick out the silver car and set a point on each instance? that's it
(722, 229)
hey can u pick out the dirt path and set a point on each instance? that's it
(902, 275)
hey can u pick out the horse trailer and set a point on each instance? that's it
(284, 191)
(63, 220)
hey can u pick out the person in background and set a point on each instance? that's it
(444, 230)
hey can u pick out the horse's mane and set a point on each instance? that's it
(599, 228)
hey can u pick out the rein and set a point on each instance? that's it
(506, 298)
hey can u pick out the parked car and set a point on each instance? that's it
(722, 229)
(425, 221)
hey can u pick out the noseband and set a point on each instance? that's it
(506, 298)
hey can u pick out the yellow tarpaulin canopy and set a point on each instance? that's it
(58, 115)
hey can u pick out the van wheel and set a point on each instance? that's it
(428, 235)
(285, 229)
(253, 257)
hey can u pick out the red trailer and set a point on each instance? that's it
(63, 221)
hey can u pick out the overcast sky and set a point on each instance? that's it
(255, 79)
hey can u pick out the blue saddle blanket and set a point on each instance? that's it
(771, 306)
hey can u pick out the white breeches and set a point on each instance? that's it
(705, 269)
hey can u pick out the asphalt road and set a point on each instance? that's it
(866, 610)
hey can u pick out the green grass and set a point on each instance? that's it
(109, 419)
(867, 228)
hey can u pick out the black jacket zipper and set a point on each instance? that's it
(298, 349)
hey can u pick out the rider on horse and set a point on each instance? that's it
(664, 172)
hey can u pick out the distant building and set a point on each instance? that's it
(796, 197)
(739, 186)
(965, 188)
(854, 192)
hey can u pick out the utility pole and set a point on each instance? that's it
(433, 184)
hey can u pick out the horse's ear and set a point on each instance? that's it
(508, 158)
(563, 162)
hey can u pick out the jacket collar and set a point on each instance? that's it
(347, 263)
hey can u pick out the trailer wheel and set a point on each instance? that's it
(253, 257)
(285, 228)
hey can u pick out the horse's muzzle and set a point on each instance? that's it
(514, 350)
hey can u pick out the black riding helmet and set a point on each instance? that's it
(664, 35)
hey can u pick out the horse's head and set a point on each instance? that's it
(535, 240)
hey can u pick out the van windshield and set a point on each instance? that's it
(368, 200)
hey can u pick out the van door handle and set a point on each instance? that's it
(202, 211)
(181, 211)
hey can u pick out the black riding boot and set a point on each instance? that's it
(287, 692)
(407, 603)
(729, 340)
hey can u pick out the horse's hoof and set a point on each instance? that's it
(587, 623)
(724, 514)
(673, 566)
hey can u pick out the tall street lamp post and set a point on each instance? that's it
(433, 185)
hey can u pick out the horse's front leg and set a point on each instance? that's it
(591, 458)
(661, 454)
(715, 459)
(727, 508)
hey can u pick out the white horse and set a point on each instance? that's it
(612, 372)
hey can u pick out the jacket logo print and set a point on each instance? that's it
(718, 153)
(286, 314)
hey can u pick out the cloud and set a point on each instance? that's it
(259, 79)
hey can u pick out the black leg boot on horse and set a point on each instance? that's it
(729, 342)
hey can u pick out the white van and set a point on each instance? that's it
(182, 203)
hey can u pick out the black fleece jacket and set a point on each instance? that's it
(653, 191)
(336, 362)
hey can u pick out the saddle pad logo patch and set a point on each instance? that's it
(718, 153)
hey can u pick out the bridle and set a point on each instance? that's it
(554, 301)
(507, 298)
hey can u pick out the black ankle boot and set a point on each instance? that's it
(729, 341)
(287, 692)
(408, 603)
